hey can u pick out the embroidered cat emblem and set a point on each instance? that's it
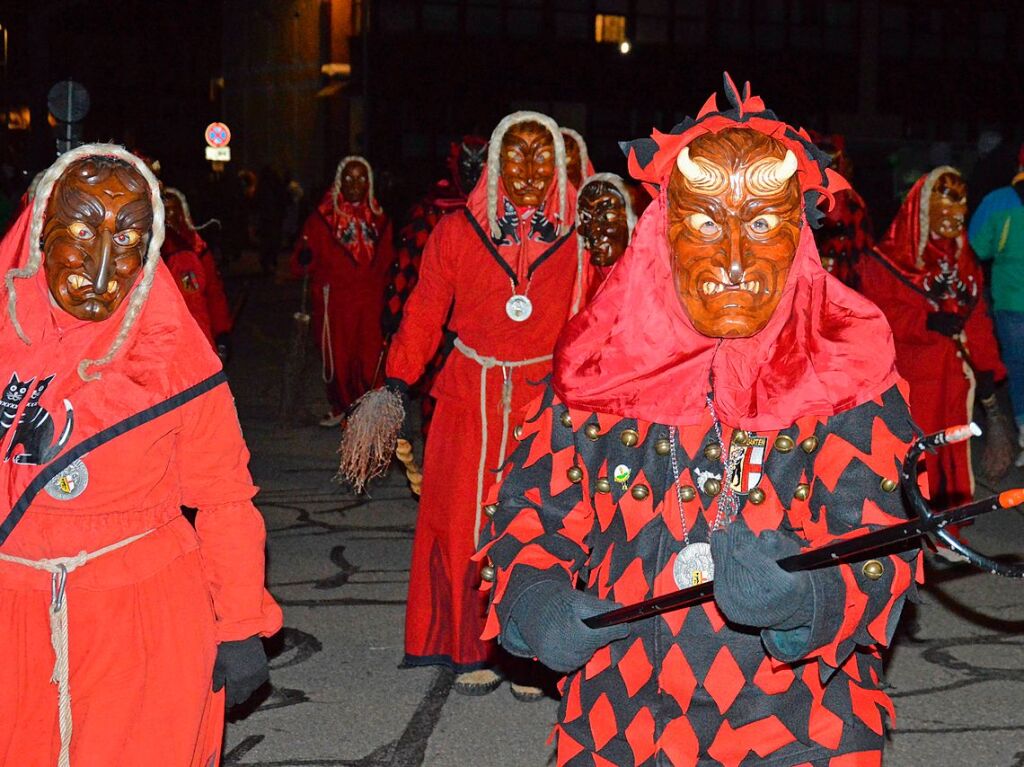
(540, 228)
(508, 225)
(14, 393)
(35, 430)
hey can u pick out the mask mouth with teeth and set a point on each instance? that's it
(734, 211)
(98, 225)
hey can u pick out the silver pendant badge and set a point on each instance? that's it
(693, 566)
(518, 308)
(70, 483)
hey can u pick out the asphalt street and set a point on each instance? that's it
(338, 564)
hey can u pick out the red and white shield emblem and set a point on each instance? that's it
(750, 463)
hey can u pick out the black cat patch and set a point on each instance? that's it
(35, 430)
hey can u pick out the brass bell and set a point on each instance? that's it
(603, 485)
(487, 574)
(888, 485)
(575, 474)
(629, 437)
(566, 420)
(802, 492)
(640, 492)
(687, 493)
(518, 432)
(592, 430)
(712, 487)
(756, 496)
(662, 447)
(873, 569)
(739, 437)
(491, 509)
(784, 444)
(810, 444)
(713, 451)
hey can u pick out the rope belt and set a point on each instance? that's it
(486, 363)
(326, 350)
(59, 568)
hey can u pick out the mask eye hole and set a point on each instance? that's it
(764, 223)
(703, 224)
(127, 238)
(80, 231)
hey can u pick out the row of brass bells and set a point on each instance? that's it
(566, 420)
(713, 451)
(756, 496)
(603, 485)
(712, 487)
(629, 437)
(575, 474)
(810, 444)
(739, 437)
(487, 573)
(888, 485)
(593, 431)
(490, 510)
(662, 447)
(784, 444)
(802, 492)
(687, 493)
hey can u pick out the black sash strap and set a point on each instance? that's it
(493, 250)
(59, 464)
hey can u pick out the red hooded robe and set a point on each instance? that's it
(144, 620)
(465, 271)
(352, 257)
(896, 276)
(814, 404)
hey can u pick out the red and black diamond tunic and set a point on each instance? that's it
(687, 688)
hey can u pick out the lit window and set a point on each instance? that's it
(609, 28)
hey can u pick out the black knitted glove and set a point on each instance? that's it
(305, 257)
(241, 667)
(750, 588)
(947, 323)
(549, 619)
(401, 388)
(223, 344)
(985, 386)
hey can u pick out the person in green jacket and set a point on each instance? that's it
(996, 233)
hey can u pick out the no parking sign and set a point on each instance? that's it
(218, 136)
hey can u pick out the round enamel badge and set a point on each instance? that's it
(70, 483)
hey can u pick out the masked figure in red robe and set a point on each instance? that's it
(722, 403)
(577, 158)
(465, 163)
(604, 225)
(123, 624)
(925, 278)
(505, 269)
(192, 266)
(845, 232)
(346, 251)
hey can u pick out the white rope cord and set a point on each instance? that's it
(326, 350)
(486, 363)
(60, 568)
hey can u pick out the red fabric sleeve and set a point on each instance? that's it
(904, 308)
(420, 333)
(216, 300)
(214, 477)
(980, 340)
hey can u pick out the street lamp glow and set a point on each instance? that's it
(625, 47)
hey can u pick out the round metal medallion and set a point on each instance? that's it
(518, 308)
(70, 483)
(694, 566)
